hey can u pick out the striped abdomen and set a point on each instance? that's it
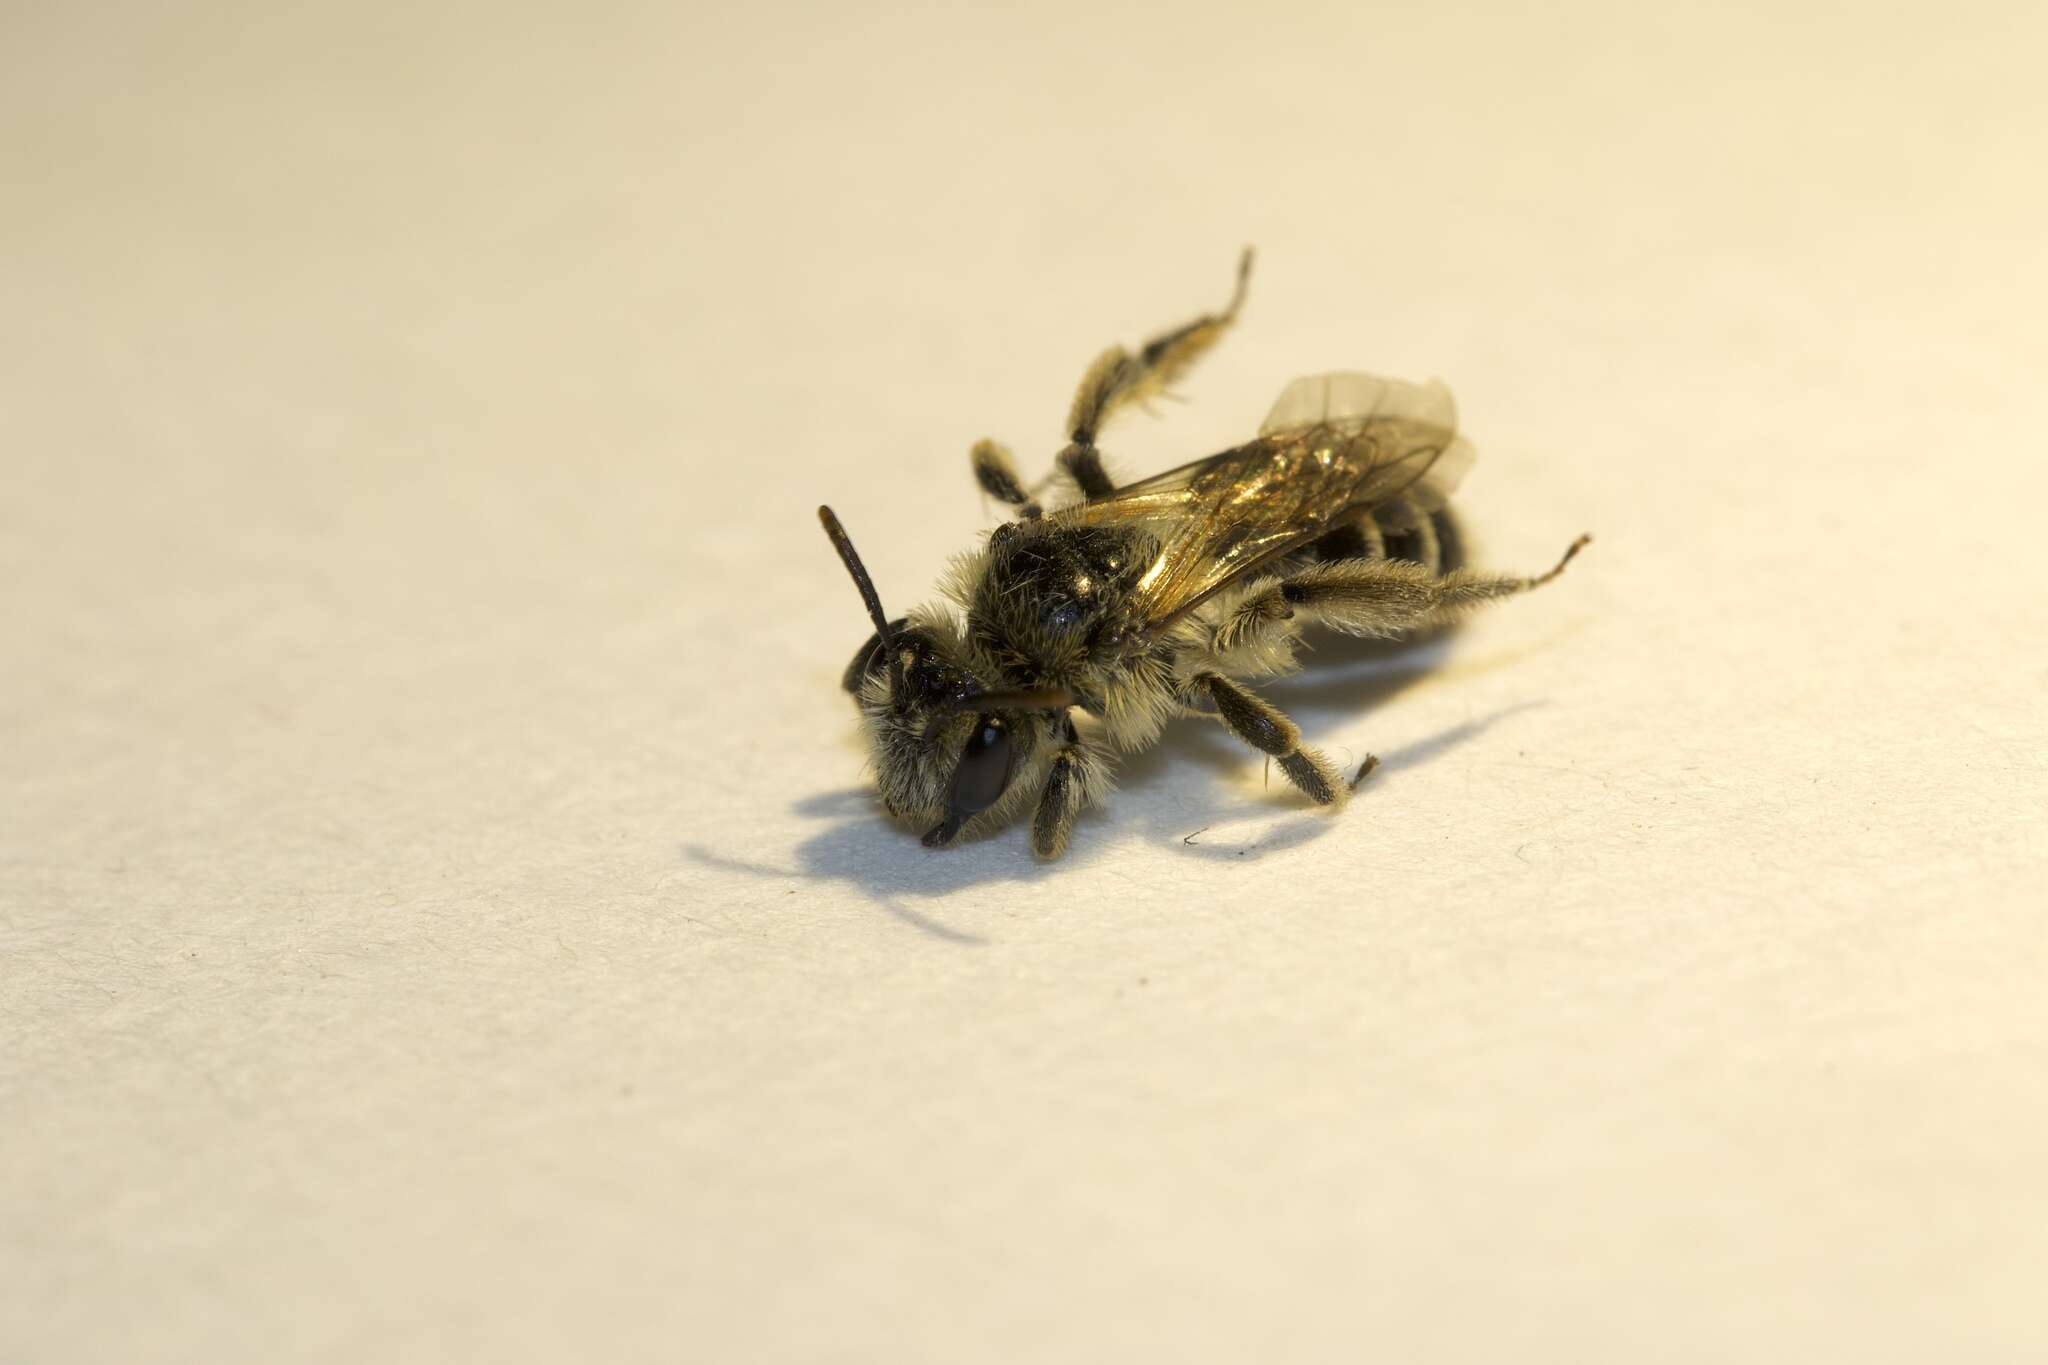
(1399, 530)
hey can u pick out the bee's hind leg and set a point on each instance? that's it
(1119, 379)
(1262, 725)
(1374, 598)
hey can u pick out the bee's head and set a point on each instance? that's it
(949, 754)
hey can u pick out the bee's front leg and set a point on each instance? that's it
(996, 473)
(1078, 776)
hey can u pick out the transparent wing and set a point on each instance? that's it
(1333, 447)
(1404, 419)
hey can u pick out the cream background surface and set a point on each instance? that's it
(442, 916)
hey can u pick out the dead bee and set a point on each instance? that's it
(1141, 603)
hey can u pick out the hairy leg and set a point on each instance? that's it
(1078, 776)
(1118, 379)
(1368, 597)
(1263, 726)
(996, 473)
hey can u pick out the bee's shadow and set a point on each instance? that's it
(1158, 797)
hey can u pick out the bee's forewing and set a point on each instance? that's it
(1333, 447)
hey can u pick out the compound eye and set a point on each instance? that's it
(984, 767)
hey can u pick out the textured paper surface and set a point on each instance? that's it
(442, 915)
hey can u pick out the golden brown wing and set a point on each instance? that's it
(1333, 447)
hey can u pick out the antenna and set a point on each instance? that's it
(851, 558)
